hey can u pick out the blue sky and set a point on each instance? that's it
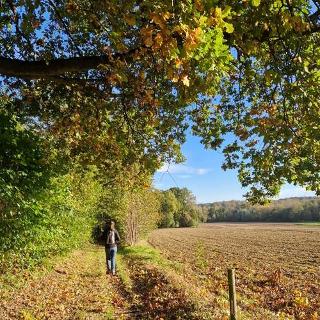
(202, 174)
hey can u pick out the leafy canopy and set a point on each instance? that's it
(118, 82)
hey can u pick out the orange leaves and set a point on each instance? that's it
(155, 38)
(156, 295)
(199, 5)
(193, 37)
(71, 7)
(176, 76)
(160, 19)
(130, 19)
(74, 289)
(158, 40)
(36, 24)
(242, 133)
(295, 22)
(146, 34)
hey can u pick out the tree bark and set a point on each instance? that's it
(47, 69)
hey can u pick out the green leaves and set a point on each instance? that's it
(255, 3)
(23, 167)
(258, 70)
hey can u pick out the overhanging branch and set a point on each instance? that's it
(46, 69)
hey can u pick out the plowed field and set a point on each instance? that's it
(277, 265)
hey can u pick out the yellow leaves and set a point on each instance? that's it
(229, 27)
(175, 78)
(114, 79)
(158, 39)
(142, 75)
(180, 29)
(298, 59)
(166, 15)
(218, 13)
(294, 22)
(186, 81)
(157, 19)
(218, 16)
(160, 18)
(300, 300)
(130, 19)
(178, 63)
(226, 12)
(203, 20)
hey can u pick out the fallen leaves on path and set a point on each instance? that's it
(76, 289)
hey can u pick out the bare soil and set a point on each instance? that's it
(277, 265)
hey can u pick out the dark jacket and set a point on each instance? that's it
(107, 238)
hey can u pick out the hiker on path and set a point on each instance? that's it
(112, 240)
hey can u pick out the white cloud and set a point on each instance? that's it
(201, 171)
(183, 170)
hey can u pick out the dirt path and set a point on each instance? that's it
(77, 288)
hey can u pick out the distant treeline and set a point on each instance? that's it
(284, 210)
(178, 209)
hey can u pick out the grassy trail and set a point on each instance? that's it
(78, 288)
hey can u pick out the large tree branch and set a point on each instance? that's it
(48, 68)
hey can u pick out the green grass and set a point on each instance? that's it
(122, 272)
(309, 224)
(144, 252)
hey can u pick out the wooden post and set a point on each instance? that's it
(232, 294)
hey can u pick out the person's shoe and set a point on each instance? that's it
(113, 273)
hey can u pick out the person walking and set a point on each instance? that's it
(112, 240)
